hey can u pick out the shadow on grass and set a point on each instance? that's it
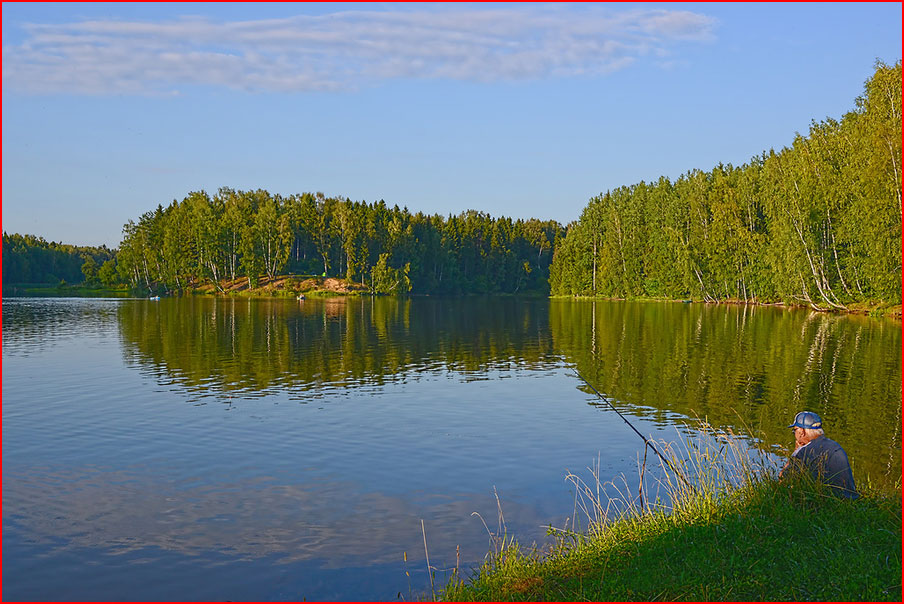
(738, 534)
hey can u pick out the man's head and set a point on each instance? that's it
(807, 426)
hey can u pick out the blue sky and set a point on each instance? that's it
(523, 110)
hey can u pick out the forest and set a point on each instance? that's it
(31, 259)
(250, 234)
(817, 223)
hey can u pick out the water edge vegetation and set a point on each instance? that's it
(817, 223)
(739, 535)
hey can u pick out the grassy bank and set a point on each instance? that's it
(873, 309)
(747, 539)
(64, 290)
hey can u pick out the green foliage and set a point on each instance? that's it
(388, 280)
(740, 535)
(31, 259)
(817, 223)
(107, 274)
(253, 233)
(773, 544)
(89, 270)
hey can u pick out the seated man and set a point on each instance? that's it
(824, 458)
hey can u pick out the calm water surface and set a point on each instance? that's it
(202, 449)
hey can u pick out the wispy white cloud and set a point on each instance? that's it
(343, 50)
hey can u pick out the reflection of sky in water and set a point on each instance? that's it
(331, 522)
(103, 460)
(114, 458)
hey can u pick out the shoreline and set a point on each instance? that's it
(709, 549)
(725, 538)
(289, 286)
(879, 309)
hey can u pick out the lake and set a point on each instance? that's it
(237, 449)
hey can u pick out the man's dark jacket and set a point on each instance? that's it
(828, 463)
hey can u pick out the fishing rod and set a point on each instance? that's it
(646, 440)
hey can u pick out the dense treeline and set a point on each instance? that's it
(31, 259)
(235, 234)
(816, 223)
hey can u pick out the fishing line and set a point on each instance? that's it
(646, 440)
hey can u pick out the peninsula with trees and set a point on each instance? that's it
(816, 224)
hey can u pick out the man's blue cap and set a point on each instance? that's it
(808, 420)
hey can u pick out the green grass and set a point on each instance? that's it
(871, 308)
(56, 290)
(741, 535)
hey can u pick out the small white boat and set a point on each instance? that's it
(154, 298)
(300, 297)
